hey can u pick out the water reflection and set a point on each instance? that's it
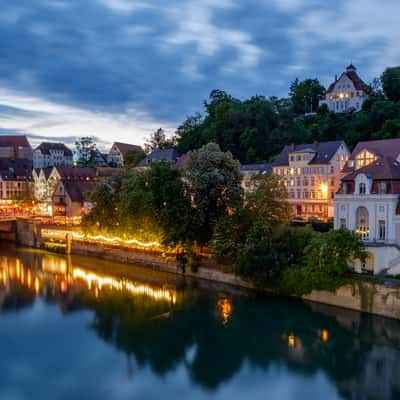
(163, 324)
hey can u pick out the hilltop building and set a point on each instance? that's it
(49, 154)
(311, 174)
(347, 93)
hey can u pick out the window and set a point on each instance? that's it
(312, 181)
(382, 188)
(362, 188)
(362, 219)
(305, 181)
(298, 182)
(381, 230)
(332, 169)
(298, 193)
(342, 223)
(298, 158)
(291, 158)
(364, 158)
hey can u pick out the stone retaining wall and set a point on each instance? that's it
(366, 297)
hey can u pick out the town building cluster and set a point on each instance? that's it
(358, 190)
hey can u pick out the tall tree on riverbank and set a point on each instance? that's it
(213, 178)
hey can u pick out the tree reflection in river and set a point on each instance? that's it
(163, 322)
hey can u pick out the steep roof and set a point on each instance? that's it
(263, 167)
(15, 169)
(324, 152)
(66, 172)
(351, 73)
(45, 148)
(124, 148)
(78, 191)
(381, 148)
(159, 155)
(385, 168)
(14, 141)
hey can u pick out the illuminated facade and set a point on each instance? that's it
(311, 173)
(368, 201)
(346, 93)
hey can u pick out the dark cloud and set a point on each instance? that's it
(163, 58)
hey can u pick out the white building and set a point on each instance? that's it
(311, 173)
(118, 153)
(368, 202)
(346, 93)
(51, 155)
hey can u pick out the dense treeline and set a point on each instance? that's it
(256, 129)
(203, 204)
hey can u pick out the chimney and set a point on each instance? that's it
(335, 78)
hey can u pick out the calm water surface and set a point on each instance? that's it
(80, 328)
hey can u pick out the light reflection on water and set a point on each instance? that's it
(85, 328)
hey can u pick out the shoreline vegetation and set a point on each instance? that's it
(203, 207)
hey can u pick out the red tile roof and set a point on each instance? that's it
(79, 191)
(353, 76)
(75, 172)
(14, 141)
(385, 168)
(124, 148)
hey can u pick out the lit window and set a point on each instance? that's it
(364, 158)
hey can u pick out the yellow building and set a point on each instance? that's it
(312, 174)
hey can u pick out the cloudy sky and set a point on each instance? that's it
(119, 69)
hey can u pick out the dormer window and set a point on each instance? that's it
(364, 158)
(362, 189)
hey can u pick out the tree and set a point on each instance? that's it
(214, 185)
(305, 95)
(86, 150)
(391, 83)
(158, 140)
(332, 252)
(269, 201)
(133, 157)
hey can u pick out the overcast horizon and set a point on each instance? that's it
(119, 69)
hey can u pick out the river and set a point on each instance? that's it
(82, 328)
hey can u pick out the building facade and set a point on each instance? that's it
(250, 172)
(118, 152)
(15, 147)
(311, 173)
(347, 93)
(46, 181)
(71, 199)
(52, 154)
(368, 202)
(16, 187)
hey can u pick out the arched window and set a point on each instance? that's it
(362, 188)
(362, 218)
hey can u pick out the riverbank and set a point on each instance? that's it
(363, 296)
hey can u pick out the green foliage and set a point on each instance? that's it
(391, 83)
(269, 201)
(158, 140)
(214, 187)
(133, 157)
(331, 252)
(305, 95)
(148, 204)
(87, 151)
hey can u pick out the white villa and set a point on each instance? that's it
(346, 93)
(368, 202)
